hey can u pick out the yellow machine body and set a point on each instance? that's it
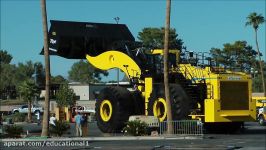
(197, 90)
(228, 93)
(260, 101)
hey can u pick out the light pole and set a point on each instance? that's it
(35, 81)
(117, 21)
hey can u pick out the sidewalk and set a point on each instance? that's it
(117, 138)
(94, 135)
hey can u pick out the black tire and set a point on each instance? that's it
(139, 103)
(121, 103)
(180, 102)
(261, 120)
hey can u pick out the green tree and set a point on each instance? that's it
(7, 79)
(84, 72)
(5, 58)
(25, 71)
(39, 74)
(235, 55)
(154, 38)
(28, 91)
(255, 21)
(30, 70)
(58, 79)
(65, 96)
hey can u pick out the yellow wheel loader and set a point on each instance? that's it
(198, 89)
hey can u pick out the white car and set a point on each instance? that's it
(82, 109)
(24, 109)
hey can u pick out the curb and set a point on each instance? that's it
(119, 138)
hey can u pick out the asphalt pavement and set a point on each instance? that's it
(253, 138)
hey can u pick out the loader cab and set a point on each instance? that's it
(154, 64)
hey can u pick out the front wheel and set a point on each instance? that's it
(180, 103)
(113, 108)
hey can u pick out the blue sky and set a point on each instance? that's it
(202, 24)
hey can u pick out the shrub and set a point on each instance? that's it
(14, 131)
(136, 128)
(60, 128)
(17, 117)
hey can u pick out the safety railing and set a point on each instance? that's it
(194, 74)
(182, 127)
(186, 73)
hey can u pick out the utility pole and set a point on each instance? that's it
(117, 21)
(45, 126)
(35, 81)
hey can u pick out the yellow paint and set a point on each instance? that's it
(259, 100)
(106, 110)
(210, 108)
(115, 59)
(160, 51)
(160, 109)
(65, 115)
(68, 113)
(147, 92)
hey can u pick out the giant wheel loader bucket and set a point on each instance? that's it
(73, 40)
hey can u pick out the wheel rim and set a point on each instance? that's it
(159, 109)
(106, 110)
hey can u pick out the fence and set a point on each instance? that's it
(182, 127)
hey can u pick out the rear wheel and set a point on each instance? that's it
(113, 108)
(180, 103)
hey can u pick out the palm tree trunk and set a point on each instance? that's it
(166, 82)
(260, 62)
(29, 111)
(45, 127)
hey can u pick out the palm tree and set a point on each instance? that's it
(255, 20)
(45, 127)
(166, 51)
(28, 90)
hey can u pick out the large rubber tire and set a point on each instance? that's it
(120, 102)
(180, 102)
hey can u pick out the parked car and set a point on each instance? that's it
(24, 109)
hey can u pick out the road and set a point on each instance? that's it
(253, 138)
